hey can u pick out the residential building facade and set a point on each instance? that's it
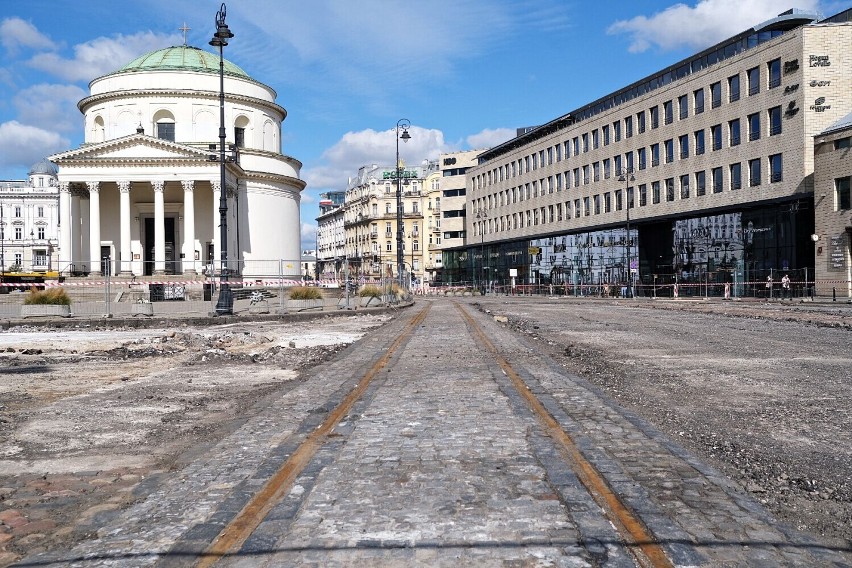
(370, 221)
(29, 222)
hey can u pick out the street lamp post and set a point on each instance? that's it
(405, 124)
(626, 176)
(225, 303)
(411, 237)
(481, 215)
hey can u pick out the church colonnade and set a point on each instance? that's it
(162, 227)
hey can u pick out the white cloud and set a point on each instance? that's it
(16, 33)
(50, 107)
(366, 147)
(309, 234)
(699, 26)
(490, 137)
(102, 55)
(21, 145)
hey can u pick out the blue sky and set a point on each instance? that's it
(466, 73)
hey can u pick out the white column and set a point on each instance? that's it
(190, 265)
(65, 236)
(94, 228)
(217, 246)
(124, 211)
(159, 228)
(77, 237)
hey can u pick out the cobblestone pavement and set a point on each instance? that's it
(441, 463)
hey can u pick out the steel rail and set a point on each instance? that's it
(640, 541)
(233, 536)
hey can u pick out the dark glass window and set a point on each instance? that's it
(683, 144)
(240, 137)
(716, 136)
(640, 121)
(754, 126)
(669, 146)
(754, 172)
(655, 154)
(774, 68)
(753, 76)
(699, 101)
(842, 191)
(716, 95)
(716, 173)
(684, 187)
(670, 193)
(166, 131)
(683, 106)
(655, 116)
(775, 121)
(655, 191)
(736, 176)
(734, 88)
(699, 142)
(668, 112)
(776, 168)
(734, 131)
(700, 183)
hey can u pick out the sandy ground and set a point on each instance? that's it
(88, 414)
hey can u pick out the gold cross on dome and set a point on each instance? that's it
(184, 29)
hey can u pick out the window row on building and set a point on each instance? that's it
(735, 176)
(565, 180)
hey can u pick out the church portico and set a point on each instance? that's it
(162, 227)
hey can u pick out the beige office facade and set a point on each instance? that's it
(710, 162)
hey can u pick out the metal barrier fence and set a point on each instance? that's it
(113, 297)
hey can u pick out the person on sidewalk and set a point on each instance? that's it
(785, 286)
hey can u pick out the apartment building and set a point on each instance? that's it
(370, 220)
(330, 253)
(29, 222)
(700, 172)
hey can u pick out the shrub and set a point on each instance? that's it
(305, 293)
(369, 291)
(52, 296)
(394, 290)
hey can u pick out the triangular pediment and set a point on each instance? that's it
(132, 147)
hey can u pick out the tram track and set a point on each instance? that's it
(635, 537)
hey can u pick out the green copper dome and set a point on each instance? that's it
(181, 58)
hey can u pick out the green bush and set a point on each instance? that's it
(305, 293)
(52, 296)
(369, 291)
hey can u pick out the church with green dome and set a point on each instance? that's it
(140, 197)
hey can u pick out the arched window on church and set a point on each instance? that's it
(164, 125)
(98, 129)
(240, 127)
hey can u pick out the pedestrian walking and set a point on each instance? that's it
(769, 286)
(785, 286)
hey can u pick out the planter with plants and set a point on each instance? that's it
(305, 298)
(50, 302)
(369, 296)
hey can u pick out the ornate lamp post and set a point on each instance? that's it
(405, 124)
(481, 216)
(626, 175)
(225, 303)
